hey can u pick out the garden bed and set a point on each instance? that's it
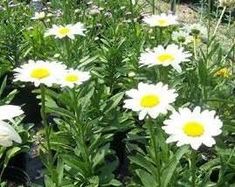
(117, 93)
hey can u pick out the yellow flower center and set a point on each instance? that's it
(40, 73)
(162, 22)
(71, 78)
(149, 101)
(193, 129)
(166, 57)
(63, 31)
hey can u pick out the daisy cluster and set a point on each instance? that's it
(50, 73)
(185, 126)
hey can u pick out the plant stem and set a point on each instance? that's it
(80, 133)
(153, 144)
(66, 43)
(132, 16)
(173, 6)
(193, 168)
(195, 46)
(2, 150)
(153, 6)
(47, 130)
(219, 21)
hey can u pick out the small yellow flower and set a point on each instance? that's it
(224, 72)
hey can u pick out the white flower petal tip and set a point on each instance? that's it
(150, 100)
(194, 127)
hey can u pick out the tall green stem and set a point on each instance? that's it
(153, 145)
(195, 46)
(173, 6)
(47, 131)
(193, 168)
(219, 21)
(80, 133)
(132, 17)
(153, 6)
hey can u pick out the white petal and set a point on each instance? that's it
(195, 145)
(8, 112)
(142, 115)
(5, 128)
(209, 142)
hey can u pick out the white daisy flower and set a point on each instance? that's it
(162, 20)
(40, 72)
(69, 31)
(39, 15)
(8, 112)
(193, 127)
(150, 99)
(73, 77)
(8, 135)
(173, 55)
(182, 37)
(196, 29)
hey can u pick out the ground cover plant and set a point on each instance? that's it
(117, 93)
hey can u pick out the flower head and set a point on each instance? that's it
(193, 127)
(197, 30)
(182, 37)
(73, 77)
(162, 20)
(69, 31)
(150, 99)
(171, 55)
(40, 72)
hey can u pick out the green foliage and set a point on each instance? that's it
(80, 122)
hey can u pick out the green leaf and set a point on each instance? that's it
(171, 166)
(11, 153)
(143, 162)
(113, 102)
(75, 163)
(49, 182)
(3, 85)
(146, 178)
(113, 182)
